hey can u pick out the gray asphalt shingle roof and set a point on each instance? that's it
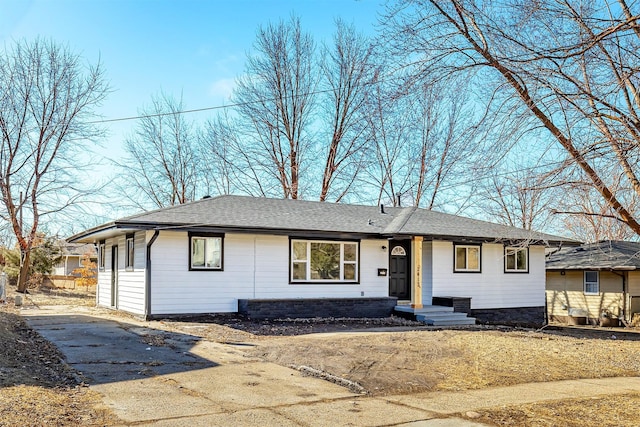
(608, 254)
(264, 214)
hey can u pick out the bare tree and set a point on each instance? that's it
(423, 143)
(571, 67)
(386, 174)
(520, 197)
(349, 71)
(275, 98)
(46, 105)
(162, 167)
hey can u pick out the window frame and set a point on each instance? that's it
(193, 235)
(130, 252)
(597, 282)
(102, 255)
(515, 250)
(342, 262)
(467, 246)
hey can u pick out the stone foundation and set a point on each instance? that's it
(520, 316)
(459, 304)
(316, 307)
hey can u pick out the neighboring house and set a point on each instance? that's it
(594, 282)
(278, 257)
(71, 258)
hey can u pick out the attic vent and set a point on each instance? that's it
(206, 197)
(381, 208)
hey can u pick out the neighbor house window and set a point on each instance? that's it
(467, 258)
(205, 252)
(324, 261)
(101, 255)
(129, 254)
(516, 260)
(591, 282)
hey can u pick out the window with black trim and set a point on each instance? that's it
(324, 261)
(591, 282)
(101, 255)
(130, 252)
(516, 260)
(467, 258)
(205, 252)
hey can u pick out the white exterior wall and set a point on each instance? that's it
(130, 287)
(492, 287)
(255, 266)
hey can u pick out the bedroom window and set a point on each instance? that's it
(102, 247)
(591, 282)
(467, 258)
(205, 252)
(129, 254)
(324, 261)
(516, 260)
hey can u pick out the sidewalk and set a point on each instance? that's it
(187, 381)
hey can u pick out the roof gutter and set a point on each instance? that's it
(147, 281)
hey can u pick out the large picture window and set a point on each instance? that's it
(467, 258)
(130, 253)
(591, 282)
(324, 261)
(516, 260)
(205, 252)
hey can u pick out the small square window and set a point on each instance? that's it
(205, 252)
(516, 260)
(467, 258)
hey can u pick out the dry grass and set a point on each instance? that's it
(616, 410)
(36, 387)
(408, 362)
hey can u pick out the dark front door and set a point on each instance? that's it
(399, 269)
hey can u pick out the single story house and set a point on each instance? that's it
(294, 258)
(594, 282)
(71, 258)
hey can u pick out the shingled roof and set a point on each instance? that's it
(604, 255)
(259, 214)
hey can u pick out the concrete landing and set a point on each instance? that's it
(436, 315)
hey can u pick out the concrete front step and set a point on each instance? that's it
(446, 319)
(423, 310)
(435, 315)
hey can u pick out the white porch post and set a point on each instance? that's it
(416, 267)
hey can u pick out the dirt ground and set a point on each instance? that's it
(37, 388)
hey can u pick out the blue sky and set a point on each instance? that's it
(189, 47)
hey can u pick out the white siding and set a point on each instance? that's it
(255, 266)
(492, 287)
(130, 288)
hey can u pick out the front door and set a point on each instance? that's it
(114, 276)
(399, 269)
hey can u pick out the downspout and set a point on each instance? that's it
(147, 281)
(624, 296)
